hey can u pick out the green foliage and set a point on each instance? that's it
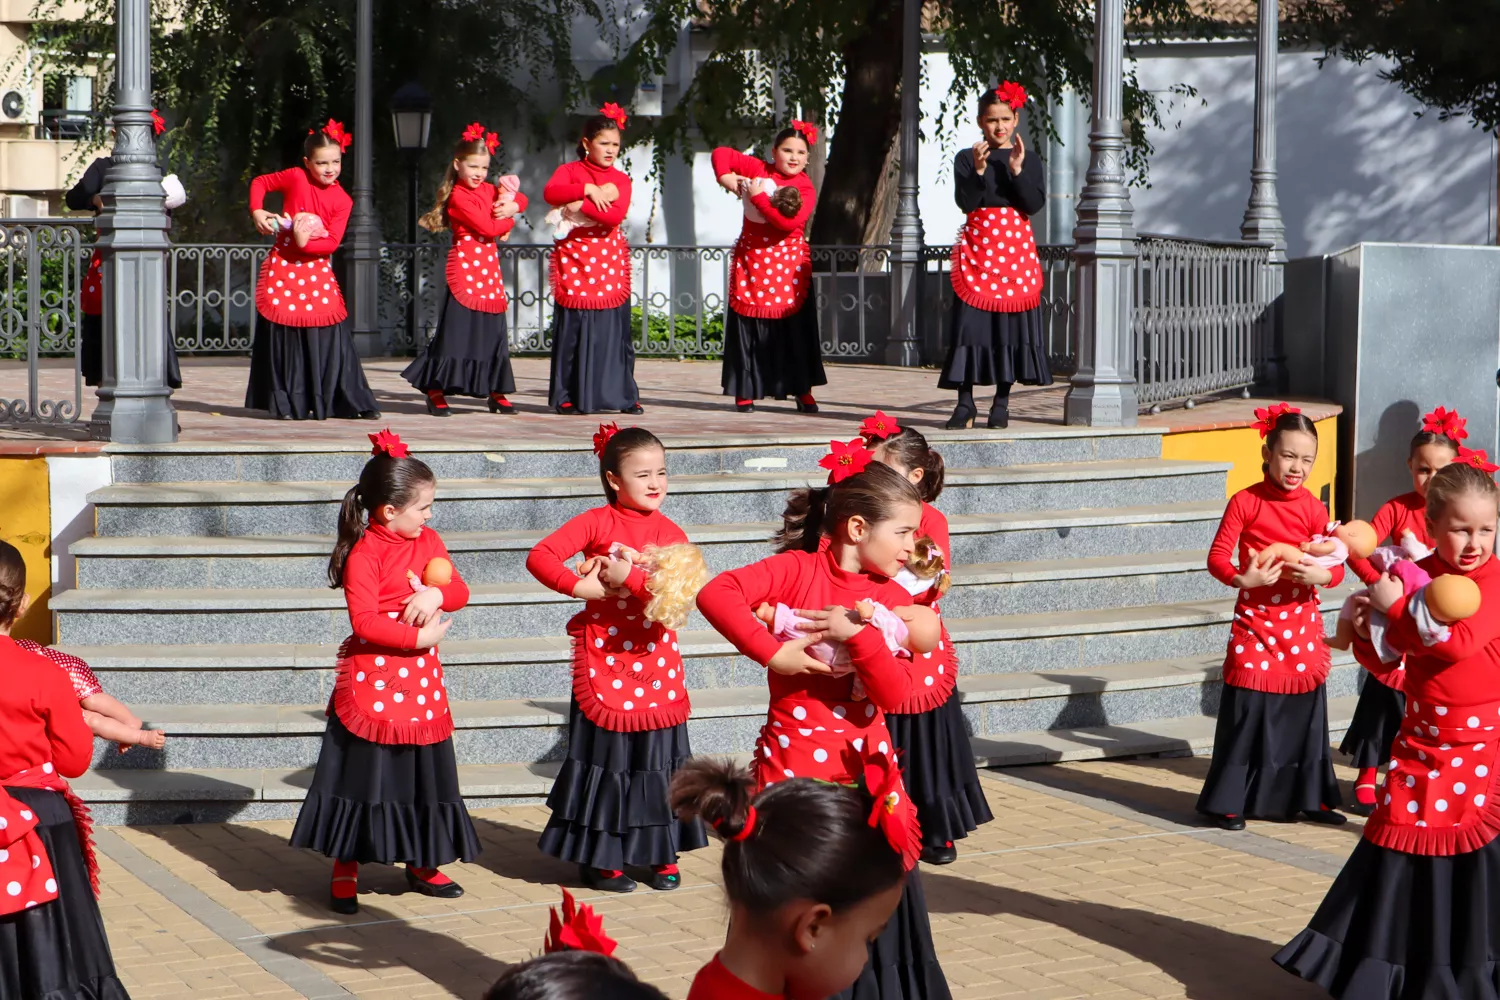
(678, 335)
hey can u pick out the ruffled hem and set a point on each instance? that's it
(461, 376)
(930, 697)
(1439, 841)
(990, 304)
(767, 312)
(1271, 758)
(429, 835)
(614, 719)
(1271, 682)
(385, 731)
(560, 295)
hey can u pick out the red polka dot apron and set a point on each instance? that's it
(473, 273)
(1439, 793)
(91, 296)
(294, 290)
(770, 275)
(1276, 640)
(27, 878)
(994, 263)
(627, 671)
(933, 676)
(392, 696)
(590, 269)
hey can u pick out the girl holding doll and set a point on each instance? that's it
(386, 785)
(627, 729)
(469, 355)
(1271, 756)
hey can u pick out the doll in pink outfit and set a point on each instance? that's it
(1400, 562)
(907, 631)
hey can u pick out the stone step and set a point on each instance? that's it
(280, 561)
(501, 610)
(501, 669)
(295, 463)
(278, 508)
(247, 794)
(724, 720)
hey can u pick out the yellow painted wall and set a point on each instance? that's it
(26, 523)
(1241, 446)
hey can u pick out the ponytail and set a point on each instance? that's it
(910, 450)
(384, 480)
(873, 494)
(802, 521)
(351, 530)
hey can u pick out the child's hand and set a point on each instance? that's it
(422, 608)
(432, 634)
(731, 182)
(793, 659)
(833, 622)
(616, 572)
(506, 209)
(1259, 575)
(1362, 616)
(599, 196)
(584, 567)
(590, 588)
(1385, 592)
(1309, 573)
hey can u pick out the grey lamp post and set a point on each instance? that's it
(411, 120)
(906, 229)
(363, 273)
(1263, 222)
(135, 405)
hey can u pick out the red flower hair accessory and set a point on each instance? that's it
(158, 123)
(1447, 423)
(474, 132)
(602, 436)
(808, 130)
(879, 427)
(881, 777)
(387, 443)
(1265, 417)
(1012, 93)
(492, 141)
(335, 131)
(579, 928)
(615, 113)
(1477, 458)
(846, 459)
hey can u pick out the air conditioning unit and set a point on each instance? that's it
(21, 206)
(13, 106)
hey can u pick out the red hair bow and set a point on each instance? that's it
(1447, 423)
(387, 443)
(879, 427)
(846, 459)
(335, 131)
(614, 112)
(474, 132)
(1265, 417)
(1477, 458)
(158, 123)
(808, 130)
(602, 436)
(1011, 93)
(881, 777)
(492, 141)
(579, 928)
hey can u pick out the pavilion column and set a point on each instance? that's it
(1263, 223)
(904, 346)
(363, 272)
(1103, 392)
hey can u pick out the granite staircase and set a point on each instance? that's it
(1085, 621)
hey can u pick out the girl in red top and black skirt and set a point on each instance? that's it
(1271, 756)
(1414, 913)
(627, 728)
(771, 343)
(871, 513)
(469, 355)
(386, 785)
(593, 356)
(52, 940)
(1381, 705)
(928, 728)
(303, 362)
(995, 332)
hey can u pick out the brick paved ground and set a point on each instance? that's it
(1094, 881)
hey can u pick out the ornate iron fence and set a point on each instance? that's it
(43, 269)
(1058, 317)
(1198, 309)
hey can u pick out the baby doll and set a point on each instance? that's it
(1332, 548)
(437, 573)
(786, 200)
(565, 219)
(907, 631)
(106, 717)
(506, 187)
(1448, 598)
(674, 575)
(925, 570)
(305, 227)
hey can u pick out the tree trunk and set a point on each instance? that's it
(869, 118)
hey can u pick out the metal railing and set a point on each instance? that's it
(1058, 318)
(41, 267)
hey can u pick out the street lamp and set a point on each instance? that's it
(411, 119)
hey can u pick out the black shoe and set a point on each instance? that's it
(369, 414)
(450, 891)
(498, 407)
(999, 417)
(963, 417)
(436, 410)
(561, 408)
(745, 407)
(1328, 817)
(664, 883)
(807, 407)
(1229, 822)
(348, 906)
(595, 879)
(633, 410)
(1360, 809)
(940, 855)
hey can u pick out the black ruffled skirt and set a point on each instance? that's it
(1398, 926)
(307, 372)
(992, 348)
(593, 360)
(937, 765)
(385, 803)
(903, 962)
(1271, 756)
(91, 352)
(1376, 722)
(468, 356)
(58, 951)
(773, 357)
(609, 803)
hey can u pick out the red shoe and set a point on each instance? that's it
(499, 404)
(437, 404)
(806, 403)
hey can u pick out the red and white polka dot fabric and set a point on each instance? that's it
(91, 296)
(298, 291)
(994, 263)
(627, 673)
(85, 683)
(26, 875)
(1276, 640)
(1442, 768)
(590, 269)
(770, 278)
(473, 273)
(392, 695)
